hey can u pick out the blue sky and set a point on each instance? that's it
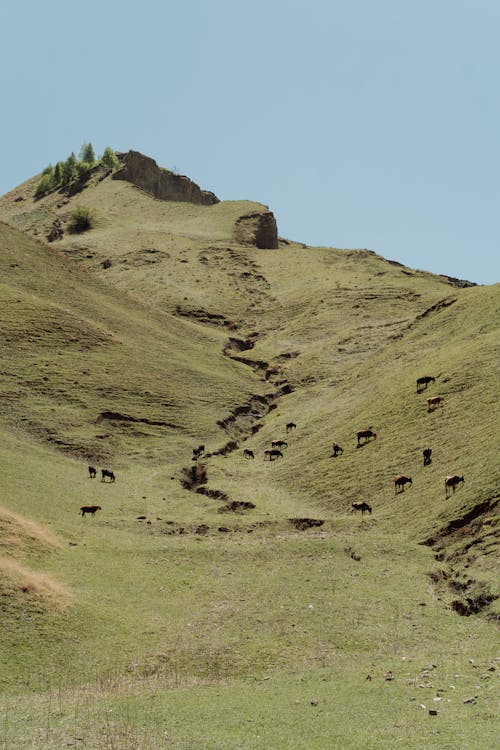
(361, 123)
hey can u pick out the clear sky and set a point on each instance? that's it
(361, 123)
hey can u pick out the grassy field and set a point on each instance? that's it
(252, 609)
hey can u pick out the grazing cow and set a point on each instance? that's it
(366, 435)
(92, 509)
(400, 483)
(427, 453)
(290, 426)
(92, 472)
(423, 382)
(272, 454)
(452, 483)
(336, 450)
(247, 453)
(362, 506)
(279, 444)
(197, 452)
(107, 473)
(434, 402)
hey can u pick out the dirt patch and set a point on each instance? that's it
(214, 494)
(301, 524)
(194, 476)
(204, 316)
(456, 547)
(472, 605)
(116, 416)
(461, 523)
(240, 345)
(236, 506)
(229, 447)
(439, 305)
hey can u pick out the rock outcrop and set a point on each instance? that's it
(144, 172)
(257, 229)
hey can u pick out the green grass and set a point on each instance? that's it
(125, 632)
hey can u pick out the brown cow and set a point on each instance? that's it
(92, 509)
(366, 435)
(452, 482)
(400, 482)
(107, 473)
(434, 402)
(247, 453)
(336, 450)
(362, 506)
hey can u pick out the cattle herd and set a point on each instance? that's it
(363, 437)
(278, 446)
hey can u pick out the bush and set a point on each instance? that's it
(45, 185)
(109, 159)
(82, 219)
(83, 169)
(69, 172)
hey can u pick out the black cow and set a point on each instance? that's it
(427, 453)
(272, 454)
(107, 473)
(423, 382)
(362, 506)
(92, 509)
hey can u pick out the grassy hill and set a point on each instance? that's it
(230, 602)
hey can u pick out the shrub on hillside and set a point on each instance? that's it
(81, 220)
(69, 171)
(45, 185)
(109, 159)
(83, 170)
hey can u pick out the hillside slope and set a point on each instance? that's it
(162, 329)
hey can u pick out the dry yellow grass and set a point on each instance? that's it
(22, 582)
(19, 532)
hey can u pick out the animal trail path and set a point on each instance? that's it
(246, 419)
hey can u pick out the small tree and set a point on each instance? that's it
(69, 170)
(83, 169)
(87, 153)
(45, 185)
(58, 173)
(109, 159)
(82, 219)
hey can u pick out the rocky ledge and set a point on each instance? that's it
(145, 173)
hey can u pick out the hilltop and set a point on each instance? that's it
(179, 320)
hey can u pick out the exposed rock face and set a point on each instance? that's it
(144, 172)
(258, 229)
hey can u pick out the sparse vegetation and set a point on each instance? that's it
(82, 219)
(66, 174)
(87, 154)
(109, 159)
